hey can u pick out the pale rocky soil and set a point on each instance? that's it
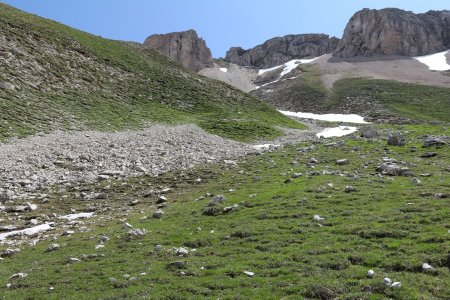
(63, 162)
(390, 68)
(237, 76)
(29, 164)
(397, 68)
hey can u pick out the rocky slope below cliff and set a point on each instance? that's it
(185, 47)
(279, 50)
(392, 31)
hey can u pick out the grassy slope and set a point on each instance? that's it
(357, 95)
(144, 87)
(272, 234)
(406, 99)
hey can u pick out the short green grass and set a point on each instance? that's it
(388, 225)
(78, 91)
(405, 99)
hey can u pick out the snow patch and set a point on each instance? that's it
(288, 67)
(28, 231)
(336, 131)
(350, 118)
(77, 216)
(435, 62)
(223, 70)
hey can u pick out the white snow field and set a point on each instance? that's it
(435, 62)
(350, 118)
(77, 216)
(289, 66)
(336, 131)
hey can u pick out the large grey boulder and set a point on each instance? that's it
(393, 31)
(185, 47)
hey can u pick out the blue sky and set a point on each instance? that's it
(222, 23)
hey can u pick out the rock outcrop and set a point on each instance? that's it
(185, 47)
(394, 31)
(279, 50)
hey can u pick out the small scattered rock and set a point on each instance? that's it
(433, 141)
(218, 199)
(52, 247)
(9, 252)
(369, 133)
(212, 211)
(182, 251)
(158, 214)
(230, 208)
(248, 273)
(370, 273)
(318, 218)
(313, 161)
(18, 275)
(416, 181)
(102, 177)
(427, 267)
(342, 162)
(177, 265)
(393, 169)
(161, 199)
(428, 154)
(396, 139)
(7, 86)
(137, 232)
(349, 189)
(72, 260)
(441, 195)
(133, 203)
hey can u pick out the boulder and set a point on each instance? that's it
(392, 169)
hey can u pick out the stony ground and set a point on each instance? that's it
(39, 169)
(344, 218)
(85, 157)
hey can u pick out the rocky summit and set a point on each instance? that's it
(393, 31)
(279, 50)
(185, 47)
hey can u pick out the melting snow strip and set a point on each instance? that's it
(435, 62)
(28, 231)
(288, 67)
(350, 118)
(77, 216)
(336, 131)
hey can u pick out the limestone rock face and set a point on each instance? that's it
(279, 50)
(185, 47)
(392, 31)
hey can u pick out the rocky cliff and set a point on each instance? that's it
(185, 47)
(279, 50)
(394, 31)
